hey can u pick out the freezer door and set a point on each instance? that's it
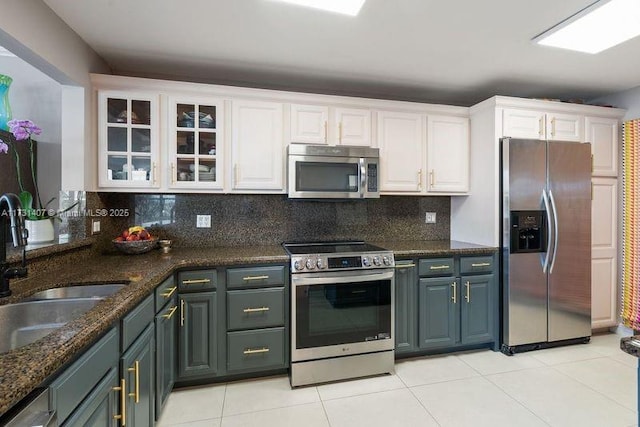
(524, 282)
(570, 267)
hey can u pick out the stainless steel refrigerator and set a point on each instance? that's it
(546, 243)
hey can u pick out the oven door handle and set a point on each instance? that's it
(334, 280)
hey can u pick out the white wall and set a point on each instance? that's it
(34, 33)
(628, 99)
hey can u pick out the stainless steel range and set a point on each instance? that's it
(342, 311)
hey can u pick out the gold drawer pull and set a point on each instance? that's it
(250, 278)
(169, 292)
(255, 310)
(454, 297)
(468, 293)
(399, 266)
(181, 312)
(169, 315)
(438, 267)
(481, 264)
(195, 281)
(123, 402)
(136, 369)
(256, 351)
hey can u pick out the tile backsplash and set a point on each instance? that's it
(271, 219)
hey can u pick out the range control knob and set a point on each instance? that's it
(298, 265)
(320, 264)
(385, 260)
(366, 262)
(376, 260)
(310, 264)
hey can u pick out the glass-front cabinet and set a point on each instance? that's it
(195, 143)
(128, 140)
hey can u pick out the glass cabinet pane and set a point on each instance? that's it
(207, 144)
(207, 170)
(207, 117)
(185, 170)
(185, 142)
(116, 168)
(116, 110)
(116, 139)
(185, 115)
(141, 140)
(140, 112)
(140, 168)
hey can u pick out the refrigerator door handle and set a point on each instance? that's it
(555, 231)
(547, 209)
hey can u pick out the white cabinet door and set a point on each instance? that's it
(523, 124)
(353, 126)
(401, 144)
(604, 250)
(602, 133)
(564, 127)
(309, 124)
(128, 125)
(447, 154)
(257, 153)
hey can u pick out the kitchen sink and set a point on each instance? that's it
(25, 322)
(79, 291)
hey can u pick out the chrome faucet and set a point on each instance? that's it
(11, 207)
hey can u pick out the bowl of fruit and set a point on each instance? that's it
(135, 240)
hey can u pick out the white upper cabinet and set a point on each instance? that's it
(401, 143)
(128, 125)
(447, 154)
(195, 143)
(353, 126)
(533, 124)
(257, 149)
(309, 124)
(602, 133)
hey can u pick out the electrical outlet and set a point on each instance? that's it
(203, 221)
(430, 217)
(95, 226)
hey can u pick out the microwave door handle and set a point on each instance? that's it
(363, 178)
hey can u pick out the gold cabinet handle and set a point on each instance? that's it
(153, 170)
(181, 312)
(431, 178)
(467, 295)
(169, 315)
(454, 297)
(419, 179)
(255, 310)
(340, 132)
(136, 370)
(325, 131)
(481, 264)
(123, 403)
(256, 350)
(195, 281)
(541, 126)
(173, 173)
(169, 292)
(400, 266)
(438, 267)
(250, 278)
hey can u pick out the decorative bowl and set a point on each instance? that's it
(135, 246)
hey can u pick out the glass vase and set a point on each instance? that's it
(5, 107)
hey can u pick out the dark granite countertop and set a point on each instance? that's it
(26, 368)
(631, 345)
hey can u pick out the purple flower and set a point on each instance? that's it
(23, 129)
(4, 148)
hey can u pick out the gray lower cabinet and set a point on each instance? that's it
(100, 407)
(137, 368)
(438, 312)
(405, 306)
(479, 310)
(197, 335)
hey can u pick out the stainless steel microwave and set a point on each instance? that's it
(333, 172)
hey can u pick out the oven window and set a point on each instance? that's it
(325, 176)
(344, 313)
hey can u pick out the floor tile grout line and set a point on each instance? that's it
(425, 408)
(326, 414)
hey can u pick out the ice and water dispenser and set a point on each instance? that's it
(528, 231)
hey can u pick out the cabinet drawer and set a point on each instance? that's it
(135, 322)
(255, 308)
(476, 264)
(261, 348)
(164, 292)
(436, 267)
(255, 276)
(77, 381)
(197, 280)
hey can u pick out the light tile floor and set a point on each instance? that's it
(580, 385)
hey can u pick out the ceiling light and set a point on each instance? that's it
(346, 7)
(600, 26)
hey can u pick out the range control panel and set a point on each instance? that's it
(328, 262)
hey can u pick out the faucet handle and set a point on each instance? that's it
(12, 273)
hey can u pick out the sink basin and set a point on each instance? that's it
(25, 322)
(78, 291)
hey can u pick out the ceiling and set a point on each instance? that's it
(446, 51)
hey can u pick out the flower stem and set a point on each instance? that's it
(16, 155)
(34, 175)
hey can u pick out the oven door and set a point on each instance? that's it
(341, 313)
(326, 177)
